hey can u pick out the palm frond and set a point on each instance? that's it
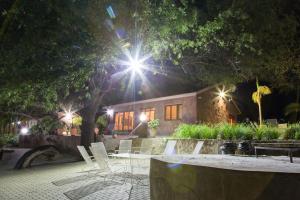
(264, 90)
(255, 97)
(292, 108)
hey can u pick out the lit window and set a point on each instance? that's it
(173, 112)
(123, 121)
(150, 113)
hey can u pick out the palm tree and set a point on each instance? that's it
(256, 97)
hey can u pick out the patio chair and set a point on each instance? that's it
(198, 148)
(124, 147)
(102, 159)
(145, 148)
(170, 148)
(87, 158)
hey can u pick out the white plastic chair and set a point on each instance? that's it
(146, 147)
(87, 158)
(170, 148)
(198, 148)
(102, 160)
(124, 147)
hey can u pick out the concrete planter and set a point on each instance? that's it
(192, 181)
(152, 132)
(228, 147)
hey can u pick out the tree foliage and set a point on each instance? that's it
(230, 40)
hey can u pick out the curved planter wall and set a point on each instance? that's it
(190, 182)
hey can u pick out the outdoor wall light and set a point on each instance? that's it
(24, 130)
(110, 112)
(68, 116)
(222, 94)
(143, 117)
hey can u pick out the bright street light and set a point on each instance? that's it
(136, 65)
(143, 117)
(222, 94)
(110, 112)
(24, 130)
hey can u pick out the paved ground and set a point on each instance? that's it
(36, 183)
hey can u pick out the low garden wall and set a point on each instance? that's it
(66, 144)
(184, 146)
(223, 179)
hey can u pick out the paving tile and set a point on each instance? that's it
(36, 184)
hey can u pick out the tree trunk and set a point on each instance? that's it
(260, 113)
(88, 125)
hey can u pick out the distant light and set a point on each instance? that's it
(222, 94)
(19, 122)
(136, 65)
(24, 130)
(68, 116)
(110, 112)
(13, 123)
(143, 117)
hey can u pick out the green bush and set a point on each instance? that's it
(195, 131)
(267, 133)
(186, 131)
(234, 132)
(292, 132)
(8, 139)
(47, 125)
(206, 132)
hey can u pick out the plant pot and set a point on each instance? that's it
(245, 147)
(60, 131)
(152, 132)
(228, 148)
(73, 131)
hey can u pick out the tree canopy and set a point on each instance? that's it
(61, 51)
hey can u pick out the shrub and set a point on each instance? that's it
(8, 139)
(195, 131)
(293, 132)
(206, 132)
(186, 131)
(243, 132)
(267, 133)
(236, 132)
(46, 126)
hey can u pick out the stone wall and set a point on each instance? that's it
(183, 146)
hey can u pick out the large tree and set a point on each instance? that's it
(63, 53)
(66, 51)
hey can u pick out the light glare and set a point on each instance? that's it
(110, 112)
(24, 130)
(143, 117)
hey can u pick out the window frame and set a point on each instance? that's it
(177, 112)
(120, 126)
(149, 109)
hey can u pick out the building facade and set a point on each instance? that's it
(203, 106)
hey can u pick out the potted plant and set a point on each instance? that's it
(152, 125)
(76, 122)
